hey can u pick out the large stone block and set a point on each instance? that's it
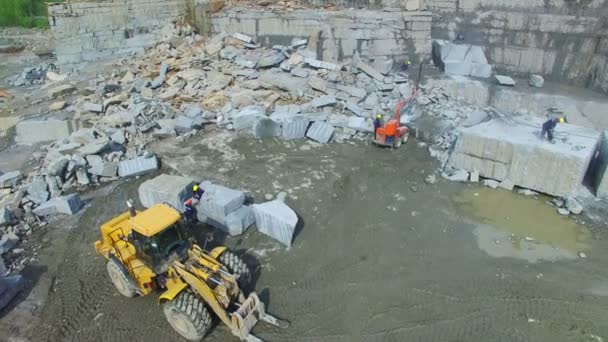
(295, 128)
(217, 202)
(276, 220)
(137, 166)
(320, 131)
(35, 131)
(514, 151)
(68, 205)
(174, 190)
(239, 220)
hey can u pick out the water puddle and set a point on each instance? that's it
(521, 227)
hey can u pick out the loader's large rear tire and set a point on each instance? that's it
(236, 266)
(121, 279)
(188, 316)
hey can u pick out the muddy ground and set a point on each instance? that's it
(380, 255)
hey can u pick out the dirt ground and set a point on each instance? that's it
(379, 256)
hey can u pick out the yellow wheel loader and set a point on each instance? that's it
(147, 251)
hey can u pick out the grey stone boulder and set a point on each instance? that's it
(276, 220)
(119, 137)
(10, 179)
(456, 175)
(320, 131)
(104, 169)
(7, 217)
(574, 206)
(239, 220)
(247, 116)
(174, 190)
(7, 242)
(536, 81)
(264, 128)
(217, 202)
(183, 124)
(295, 128)
(37, 190)
(69, 205)
(271, 60)
(137, 166)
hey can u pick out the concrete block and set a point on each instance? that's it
(295, 128)
(320, 131)
(35, 131)
(505, 80)
(68, 205)
(276, 220)
(510, 151)
(322, 101)
(239, 220)
(247, 116)
(10, 179)
(536, 81)
(137, 166)
(217, 202)
(174, 190)
(264, 128)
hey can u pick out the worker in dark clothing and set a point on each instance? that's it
(197, 192)
(189, 210)
(377, 123)
(549, 127)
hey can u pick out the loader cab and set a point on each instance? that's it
(159, 237)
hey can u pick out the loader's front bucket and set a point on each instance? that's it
(247, 316)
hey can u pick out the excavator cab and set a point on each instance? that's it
(160, 250)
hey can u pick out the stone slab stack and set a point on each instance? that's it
(514, 151)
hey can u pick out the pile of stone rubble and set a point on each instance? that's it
(35, 75)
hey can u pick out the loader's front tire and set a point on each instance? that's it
(188, 316)
(121, 279)
(236, 266)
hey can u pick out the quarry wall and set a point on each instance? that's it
(563, 40)
(340, 33)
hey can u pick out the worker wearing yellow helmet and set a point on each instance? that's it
(197, 192)
(377, 123)
(549, 127)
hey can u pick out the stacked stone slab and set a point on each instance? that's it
(174, 190)
(276, 220)
(513, 151)
(137, 166)
(222, 208)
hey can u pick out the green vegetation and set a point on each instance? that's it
(25, 13)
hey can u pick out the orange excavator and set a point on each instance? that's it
(392, 134)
